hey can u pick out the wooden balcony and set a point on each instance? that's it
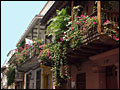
(94, 42)
(19, 76)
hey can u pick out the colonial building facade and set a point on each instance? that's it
(95, 65)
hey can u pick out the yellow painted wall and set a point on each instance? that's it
(46, 71)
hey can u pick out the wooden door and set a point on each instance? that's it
(81, 81)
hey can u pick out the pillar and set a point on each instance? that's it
(99, 16)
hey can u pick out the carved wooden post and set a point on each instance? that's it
(99, 16)
(72, 5)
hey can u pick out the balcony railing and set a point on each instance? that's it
(19, 76)
(105, 15)
(110, 15)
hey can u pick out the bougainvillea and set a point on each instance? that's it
(54, 54)
(111, 29)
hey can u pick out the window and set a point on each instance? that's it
(47, 81)
(27, 81)
(38, 79)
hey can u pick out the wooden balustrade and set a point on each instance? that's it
(105, 15)
(110, 15)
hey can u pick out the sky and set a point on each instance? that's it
(15, 18)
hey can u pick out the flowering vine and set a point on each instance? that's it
(68, 35)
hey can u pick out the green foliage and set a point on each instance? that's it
(68, 35)
(57, 25)
(10, 75)
(111, 29)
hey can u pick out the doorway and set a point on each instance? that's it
(81, 81)
(111, 77)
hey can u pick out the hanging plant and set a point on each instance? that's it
(111, 29)
(68, 35)
(10, 73)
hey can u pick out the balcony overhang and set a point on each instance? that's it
(95, 46)
(31, 63)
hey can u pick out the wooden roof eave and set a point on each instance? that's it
(52, 10)
(29, 28)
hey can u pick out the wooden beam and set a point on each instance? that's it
(87, 51)
(62, 4)
(32, 34)
(94, 47)
(99, 16)
(78, 57)
(72, 5)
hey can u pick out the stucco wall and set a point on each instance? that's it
(92, 79)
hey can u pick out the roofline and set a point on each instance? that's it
(47, 8)
(34, 20)
(44, 6)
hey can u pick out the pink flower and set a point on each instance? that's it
(115, 38)
(93, 22)
(26, 47)
(84, 28)
(83, 21)
(76, 17)
(21, 48)
(40, 46)
(80, 21)
(72, 28)
(49, 57)
(38, 60)
(77, 23)
(43, 45)
(90, 23)
(82, 15)
(15, 49)
(107, 21)
(61, 39)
